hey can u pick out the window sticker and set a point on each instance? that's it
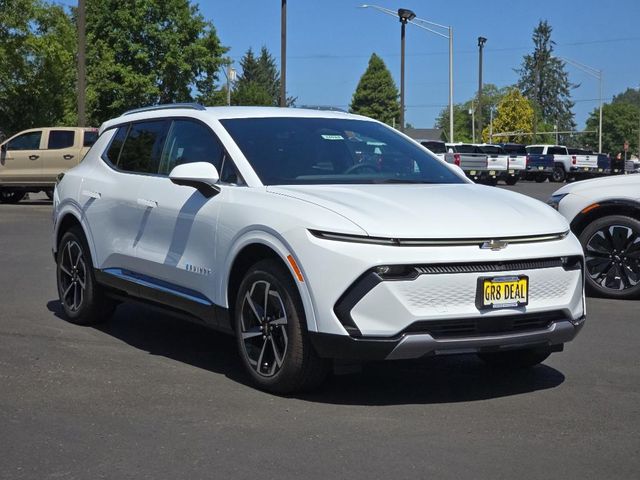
(332, 137)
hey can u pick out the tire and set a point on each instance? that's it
(540, 178)
(511, 180)
(612, 257)
(558, 175)
(516, 359)
(11, 197)
(492, 182)
(82, 299)
(276, 352)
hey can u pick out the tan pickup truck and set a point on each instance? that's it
(31, 160)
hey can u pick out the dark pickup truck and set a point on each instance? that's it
(539, 165)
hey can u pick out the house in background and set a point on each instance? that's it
(424, 133)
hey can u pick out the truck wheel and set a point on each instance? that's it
(82, 299)
(516, 359)
(511, 180)
(612, 256)
(540, 178)
(271, 332)
(11, 197)
(559, 174)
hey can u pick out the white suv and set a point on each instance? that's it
(311, 236)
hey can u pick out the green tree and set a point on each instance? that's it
(259, 82)
(462, 131)
(630, 96)
(544, 81)
(37, 69)
(376, 95)
(514, 114)
(619, 123)
(148, 52)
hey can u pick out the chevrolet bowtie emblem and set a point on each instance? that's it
(494, 245)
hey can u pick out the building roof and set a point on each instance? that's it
(424, 133)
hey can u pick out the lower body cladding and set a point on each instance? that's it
(439, 310)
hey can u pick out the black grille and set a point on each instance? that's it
(488, 266)
(486, 325)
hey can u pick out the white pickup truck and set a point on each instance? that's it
(584, 163)
(30, 161)
(565, 164)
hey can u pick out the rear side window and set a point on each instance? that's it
(535, 150)
(26, 141)
(90, 137)
(113, 152)
(142, 147)
(60, 139)
(187, 142)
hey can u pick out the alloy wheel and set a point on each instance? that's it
(263, 326)
(73, 276)
(612, 256)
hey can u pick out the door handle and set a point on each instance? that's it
(34, 157)
(147, 203)
(67, 157)
(91, 194)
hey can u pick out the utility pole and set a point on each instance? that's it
(283, 54)
(491, 125)
(82, 64)
(402, 30)
(481, 42)
(472, 112)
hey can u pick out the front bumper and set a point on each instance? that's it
(416, 345)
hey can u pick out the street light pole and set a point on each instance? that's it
(283, 54)
(430, 27)
(82, 64)
(481, 42)
(402, 32)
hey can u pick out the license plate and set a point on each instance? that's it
(586, 169)
(540, 168)
(472, 172)
(492, 172)
(511, 172)
(502, 292)
(600, 170)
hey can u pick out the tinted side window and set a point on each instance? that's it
(113, 152)
(187, 142)
(90, 137)
(141, 150)
(26, 141)
(60, 139)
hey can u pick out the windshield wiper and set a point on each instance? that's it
(401, 180)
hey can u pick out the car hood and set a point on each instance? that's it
(432, 211)
(623, 185)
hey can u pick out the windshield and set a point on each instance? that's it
(535, 150)
(292, 151)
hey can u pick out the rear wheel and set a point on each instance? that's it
(612, 256)
(271, 332)
(82, 299)
(540, 178)
(515, 359)
(559, 175)
(11, 196)
(511, 180)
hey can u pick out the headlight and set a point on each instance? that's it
(554, 201)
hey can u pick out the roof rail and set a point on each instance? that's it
(166, 106)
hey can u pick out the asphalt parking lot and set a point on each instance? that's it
(149, 396)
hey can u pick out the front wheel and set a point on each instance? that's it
(516, 359)
(271, 332)
(11, 197)
(540, 178)
(82, 298)
(612, 256)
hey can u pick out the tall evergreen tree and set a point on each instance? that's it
(148, 52)
(376, 95)
(259, 82)
(544, 81)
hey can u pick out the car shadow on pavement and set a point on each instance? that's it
(446, 379)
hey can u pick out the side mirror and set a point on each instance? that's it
(200, 175)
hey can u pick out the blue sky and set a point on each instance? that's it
(330, 41)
